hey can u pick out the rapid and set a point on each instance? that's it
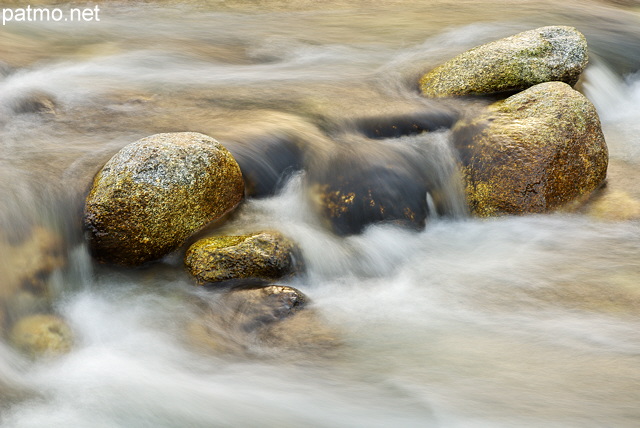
(513, 321)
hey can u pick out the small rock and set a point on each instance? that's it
(154, 193)
(267, 161)
(42, 335)
(36, 102)
(28, 263)
(265, 255)
(545, 54)
(532, 152)
(257, 319)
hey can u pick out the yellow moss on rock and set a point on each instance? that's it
(533, 152)
(265, 255)
(154, 193)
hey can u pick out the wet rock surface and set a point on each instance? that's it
(555, 53)
(265, 255)
(154, 193)
(350, 190)
(532, 152)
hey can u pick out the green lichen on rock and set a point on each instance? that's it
(555, 53)
(42, 335)
(265, 255)
(154, 193)
(532, 152)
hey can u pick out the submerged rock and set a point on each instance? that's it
(615, 205)
(545, 54)
(154, 193)
(352, 190)
(265, 255)
(532, 152)
(256, 319)
(35, 102)
(42, 335)
(267, 161)
(28, 263)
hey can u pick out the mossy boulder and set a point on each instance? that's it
(257, 318)
(532, 152)
(265, 255)
(555, 53)
(42, 335)
(154, 193)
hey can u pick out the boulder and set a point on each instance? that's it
(42, 335)
(154, 193)
(545, 54)
(532, 152)
(258, 318)
(264, 255)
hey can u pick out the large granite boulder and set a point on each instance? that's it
(154, 193)
(532, 152)
(42, 335)
(545, 54)
(265, 255)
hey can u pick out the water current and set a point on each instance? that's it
(514, 321)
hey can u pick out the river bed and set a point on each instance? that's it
(514, 321)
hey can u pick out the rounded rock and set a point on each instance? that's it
(264, 255)
(254, 319)
(533, 152)
(555, 53)
(154, 193)
(42, 335)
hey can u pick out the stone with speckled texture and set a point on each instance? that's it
(554, 53)
(532, 152)
(154, 193)
(265, 255)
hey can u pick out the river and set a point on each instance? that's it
(514, 321)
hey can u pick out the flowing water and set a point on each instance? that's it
(515, 321)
